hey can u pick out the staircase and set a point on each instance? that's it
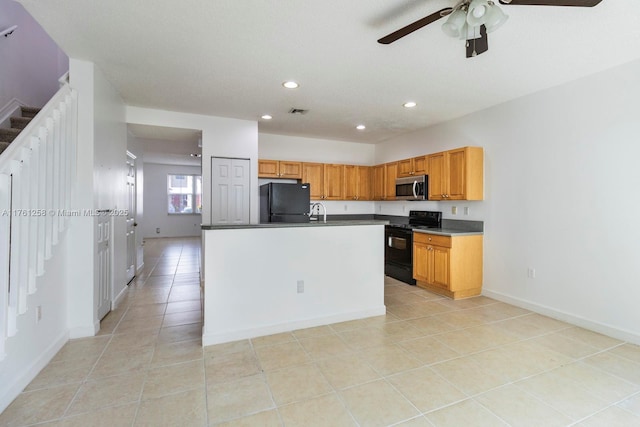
(37, 170)
(7, 135)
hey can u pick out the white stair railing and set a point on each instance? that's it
(36, 185)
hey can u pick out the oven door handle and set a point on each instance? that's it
(415, 191)
(397, 243)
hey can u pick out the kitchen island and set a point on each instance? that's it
(262, 279)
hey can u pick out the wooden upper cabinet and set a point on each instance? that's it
(365, 188)
(291, 170)
(333, 182)
(390, 173)
(357, 182)
(405, 167)
(420, 165)
(412, 167)
(437, 175)
(327, 180)
(457, 174)
(313, 173)
(383, 179)
(279, 169)
(268, 169)
(377, 177)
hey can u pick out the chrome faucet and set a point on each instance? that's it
(317, 211)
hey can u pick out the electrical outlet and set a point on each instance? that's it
(300, 286)
(531, 273)
(38, 314)
(158, 230)
(454, 210)
(466, 210)
(345, 208)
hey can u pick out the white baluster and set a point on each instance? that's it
(48, 227)
(25, 219)
(37, 212)
(55, 179)
(17, 281)
(64, 135)
(5, 221)
(42, 201)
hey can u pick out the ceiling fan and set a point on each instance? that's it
(471, 20)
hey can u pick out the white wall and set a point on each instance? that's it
(561, 196)
(35, 344)
(102, 145)
(110, 170)
(31, 62)
(284, 147)
(221, 137)
(155, 199)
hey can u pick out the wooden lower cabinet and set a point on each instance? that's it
(448, 265)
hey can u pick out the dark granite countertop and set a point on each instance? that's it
(333, 223)
(448, 232)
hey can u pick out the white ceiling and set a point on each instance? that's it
(229, 57)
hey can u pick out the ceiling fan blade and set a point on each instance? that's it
(480, 45)
(390, 38)
(578, 3)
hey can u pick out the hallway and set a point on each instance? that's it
(430, 361)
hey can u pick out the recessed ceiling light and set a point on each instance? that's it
(361, 127)
(290, 85)
(266, 117)
(409, 104)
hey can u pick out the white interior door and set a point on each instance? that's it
(131, 217)
(103, 297)
(230, 190)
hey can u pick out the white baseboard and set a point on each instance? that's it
(601, 328)
(115, 303)
(9, 110)
(211, 339)
(84, 331)
(30, 372)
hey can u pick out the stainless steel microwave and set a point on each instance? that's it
(412, 188)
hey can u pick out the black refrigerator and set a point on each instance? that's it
(284, 202)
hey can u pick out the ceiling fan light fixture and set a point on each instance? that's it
(477, 14)
(454, 24)
(470, 33)
(495, 18)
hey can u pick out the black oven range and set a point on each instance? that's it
(398, 242)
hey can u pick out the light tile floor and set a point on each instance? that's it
(429, 362)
